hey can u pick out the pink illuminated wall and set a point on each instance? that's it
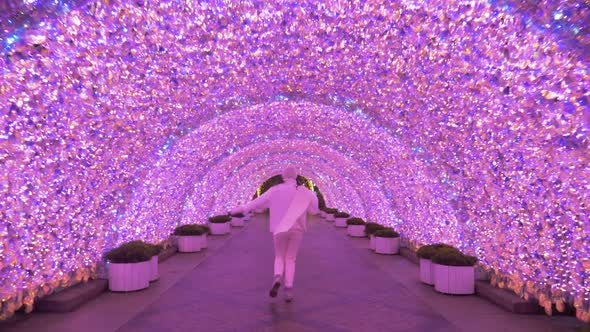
(462, 122)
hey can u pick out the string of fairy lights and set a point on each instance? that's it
(458, 121)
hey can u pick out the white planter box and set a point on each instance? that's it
(237, 222)
(129, 276)
(154, 268)
(356, 230)
(372, 242)
(426, 271)
(329, 217)
(387, 245)
(190, 243)
(340, 222)
(454, 279)
(219, 229)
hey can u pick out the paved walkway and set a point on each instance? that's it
(339, 286)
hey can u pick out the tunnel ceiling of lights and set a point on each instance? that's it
(463, 122)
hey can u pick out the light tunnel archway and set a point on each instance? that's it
(291, 119)
(341, 191)
(484, 111)
(303, 151)
(256, 173)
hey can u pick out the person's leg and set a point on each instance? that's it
(280, 242)
(291, 257)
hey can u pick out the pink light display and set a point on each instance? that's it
(464, 122)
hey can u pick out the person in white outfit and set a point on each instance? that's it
(288, 204)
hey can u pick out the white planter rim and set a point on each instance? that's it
(192, 243)
(220, 228)
(449, 265)
(426, 271)
(387, 245)
(128, 277)
(459, 280)
(133, 262)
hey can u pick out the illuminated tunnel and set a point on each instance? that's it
(464, 122)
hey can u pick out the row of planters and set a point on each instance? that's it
(339, 218)
(133, 265)
(328, 213)
(237, 219)
(447, 268)
(383, 240)
(441, 265)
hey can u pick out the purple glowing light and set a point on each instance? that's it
(464, 124)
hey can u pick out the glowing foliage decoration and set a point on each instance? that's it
(239, 182)
(346, 194)
(470, 118)
(179, 161)
(277, 163)
(306, 154)
(341, 136)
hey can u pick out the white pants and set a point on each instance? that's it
(286, 248)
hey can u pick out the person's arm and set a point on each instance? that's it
(261, 202)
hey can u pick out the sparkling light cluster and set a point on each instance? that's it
(335, 140)
(465, 122)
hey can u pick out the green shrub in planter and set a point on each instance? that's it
(131, 252)
(453, 257)
(386, 232)
(372, 227)
(205, 228)
(330, 210)
(238, 215)
(220, 219)
(427, 251)
(191, 230)
(341, 215)
(138, 243)
(156, 248)
(355, 221)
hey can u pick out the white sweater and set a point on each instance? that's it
(278, 199)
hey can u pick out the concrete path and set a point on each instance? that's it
(340, 285)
